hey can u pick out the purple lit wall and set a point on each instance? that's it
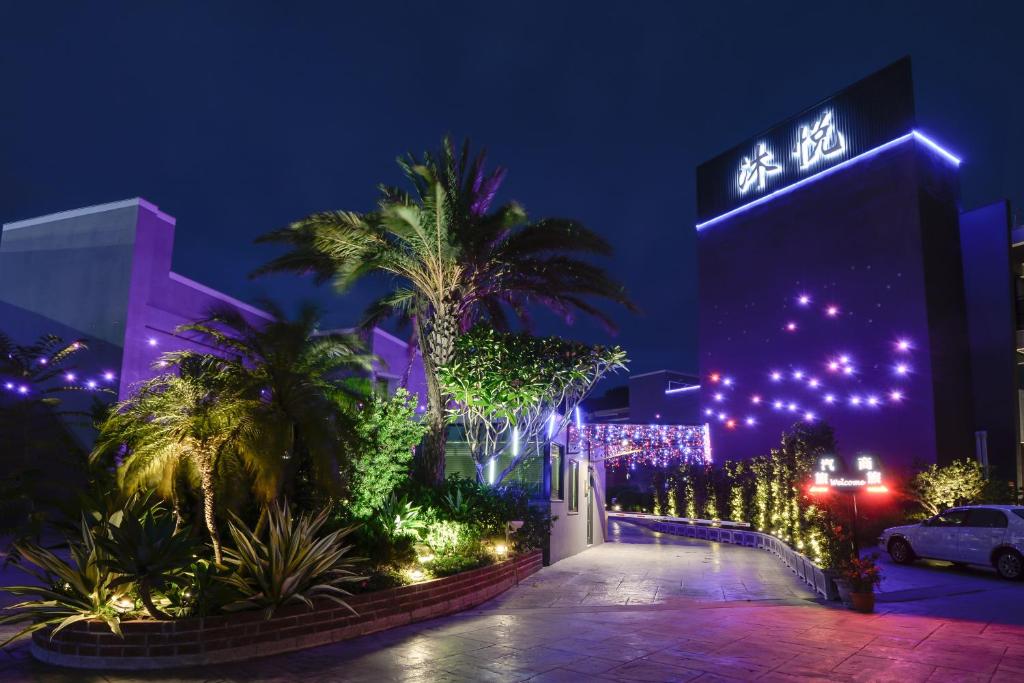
(159, 300)
(103, 273)
(841, 301)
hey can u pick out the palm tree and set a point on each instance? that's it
(455, 261)
(298, 374)
(189, 421)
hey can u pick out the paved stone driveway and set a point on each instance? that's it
(649, 608)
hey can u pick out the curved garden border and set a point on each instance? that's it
(808, 572)
(236, 637)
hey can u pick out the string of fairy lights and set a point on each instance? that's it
(627, 445)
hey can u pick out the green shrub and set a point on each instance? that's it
(204, 592)
(448, 538)
(453, 564)
(536, 529)
(389, 431)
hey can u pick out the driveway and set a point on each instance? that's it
(646, 607)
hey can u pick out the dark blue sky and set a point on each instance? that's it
(239, 117)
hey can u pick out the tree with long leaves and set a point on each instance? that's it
(455, 260)
(190, 420)
(298, 374)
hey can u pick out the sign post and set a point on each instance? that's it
(832, 475)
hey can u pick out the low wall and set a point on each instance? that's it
(808, 572)
(244, 635)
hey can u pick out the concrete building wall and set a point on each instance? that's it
(989, 286)
(576, 530)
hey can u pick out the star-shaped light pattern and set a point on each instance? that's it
(622, 445)
(795, 390)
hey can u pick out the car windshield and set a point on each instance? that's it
(1019, 512)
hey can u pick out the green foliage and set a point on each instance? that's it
(446, 537)
(68, 592)
(736, 483)
(399, 517)
(453, 564)
(203, 592)
(536, 529)
(288, 561)
(190, 425)
(501, 382)
(294, 373)
(388, 432)
(147, 551)
(454, 261)
(769, 492)
(959, 483)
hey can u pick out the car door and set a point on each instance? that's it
(984, 530)
(939, 536)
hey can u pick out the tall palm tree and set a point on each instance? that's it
(189, 421)
(298, 374)
(455, 261)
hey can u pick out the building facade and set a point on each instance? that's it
(840, 282)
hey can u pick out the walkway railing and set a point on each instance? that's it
(737, 533)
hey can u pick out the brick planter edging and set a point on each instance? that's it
(244, 635)
(808, 572)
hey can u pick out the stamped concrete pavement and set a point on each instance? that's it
(648, 607)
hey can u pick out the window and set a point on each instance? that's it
(949, 518)
(1019, 512)
(574, 486)
(987, 518)
(556, 471)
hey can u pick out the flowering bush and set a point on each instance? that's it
(862, 573)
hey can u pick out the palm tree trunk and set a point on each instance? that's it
(438, 345)
(206, 480)
(179, 517)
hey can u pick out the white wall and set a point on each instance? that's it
(569, 533)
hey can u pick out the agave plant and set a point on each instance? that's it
(147, 550)
(284, 560)
(68, 592)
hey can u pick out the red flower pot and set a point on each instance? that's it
(864, 602)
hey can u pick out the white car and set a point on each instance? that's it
(991, 535)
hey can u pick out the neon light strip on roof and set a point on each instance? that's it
(913, 135)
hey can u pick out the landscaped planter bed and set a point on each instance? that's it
(244, 635)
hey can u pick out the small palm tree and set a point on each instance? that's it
(454, 260)
(190, 420)
(297, 374)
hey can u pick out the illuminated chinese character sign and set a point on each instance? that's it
(832, 474)
(869, 113)
(756, 168)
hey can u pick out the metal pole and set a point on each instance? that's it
(856, 543)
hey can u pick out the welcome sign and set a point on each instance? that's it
(831, 473)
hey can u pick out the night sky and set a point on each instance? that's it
(240, 117)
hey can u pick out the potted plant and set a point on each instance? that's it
(839, 552)
(863, 575)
